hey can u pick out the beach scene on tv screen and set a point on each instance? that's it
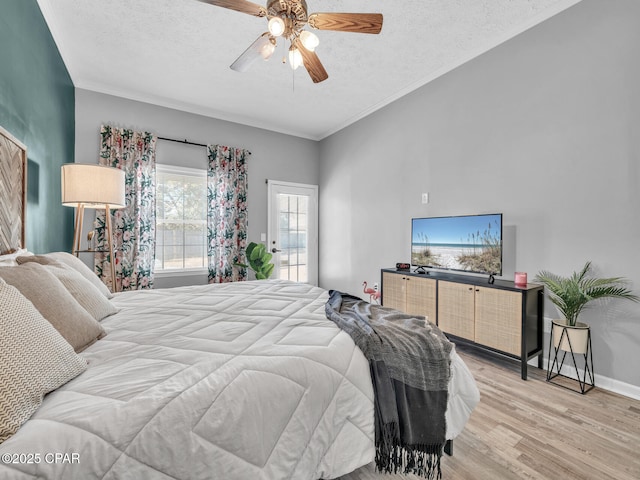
(469, 243)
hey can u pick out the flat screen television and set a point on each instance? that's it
(470, 243)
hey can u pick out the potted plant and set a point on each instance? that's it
(259, 261)
(573, 294)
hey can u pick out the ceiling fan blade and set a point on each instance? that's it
(347, 22)
(243, 6)
(263, 47)
(312, 64)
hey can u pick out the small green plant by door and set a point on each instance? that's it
(259, 261)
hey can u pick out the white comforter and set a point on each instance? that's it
(233, 381)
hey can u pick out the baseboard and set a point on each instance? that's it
(606, 383)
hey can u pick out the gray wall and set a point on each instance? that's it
(37, 107)
(273, 155)
(544, 128)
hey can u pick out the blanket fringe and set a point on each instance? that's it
(420, 460)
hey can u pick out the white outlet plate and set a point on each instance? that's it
(425, 198)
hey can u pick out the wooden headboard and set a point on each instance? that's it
(13, 192)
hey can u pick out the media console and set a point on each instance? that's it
(500, 316)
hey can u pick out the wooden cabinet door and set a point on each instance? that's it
(394, 291)
(498, 319)
(421, 297)
(456, 309)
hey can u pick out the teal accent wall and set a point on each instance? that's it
(37, 106)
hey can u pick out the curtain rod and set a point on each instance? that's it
(185, 141)
(182, 141)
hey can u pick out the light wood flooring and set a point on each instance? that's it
(536, 430)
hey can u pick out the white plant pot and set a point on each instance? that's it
(577, 334)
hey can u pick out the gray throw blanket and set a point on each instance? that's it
(410, 370)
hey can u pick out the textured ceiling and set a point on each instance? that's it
(176, 53)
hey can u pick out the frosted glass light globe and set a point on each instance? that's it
(276, 26)
(309, 40)
(295, 58)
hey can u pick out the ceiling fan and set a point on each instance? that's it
(287, 19)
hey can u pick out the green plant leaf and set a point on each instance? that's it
(268, 271)
(256, 252)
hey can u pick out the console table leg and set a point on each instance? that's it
(523, 367)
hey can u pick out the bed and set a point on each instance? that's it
(233, 381)
(226, 381)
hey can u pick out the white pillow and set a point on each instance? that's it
(34, 360)
(9, 259)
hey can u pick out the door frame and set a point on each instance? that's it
(312, 238)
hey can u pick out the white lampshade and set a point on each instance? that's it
(92, 186)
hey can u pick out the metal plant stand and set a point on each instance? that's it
(555, 366)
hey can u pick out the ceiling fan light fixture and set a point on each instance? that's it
(295, 57)
(309, 40)
(276, 26)
(288, 19)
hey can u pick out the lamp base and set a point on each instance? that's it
(77, 235)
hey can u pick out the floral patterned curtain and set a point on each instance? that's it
(133, 226)
(227, 213)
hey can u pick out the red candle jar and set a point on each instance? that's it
(521, 278)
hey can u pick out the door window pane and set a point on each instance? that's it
(293, 233)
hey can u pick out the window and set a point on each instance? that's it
(293, 237)
(181, 219)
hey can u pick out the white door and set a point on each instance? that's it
(293, 230)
